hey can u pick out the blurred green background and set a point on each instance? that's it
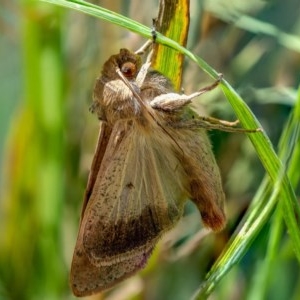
(49, 59)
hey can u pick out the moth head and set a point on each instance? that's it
(128, 62)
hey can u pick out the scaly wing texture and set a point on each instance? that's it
(87, 278)
(103, 139)
(138, 194)
(204, 176)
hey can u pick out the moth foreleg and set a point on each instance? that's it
(174, 101)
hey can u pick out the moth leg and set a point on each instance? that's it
(209, 123)
(144, 48)
(213, 85)
(222, 122)
(213, 123)
(217, 122)
(173, 101)
(143, 72)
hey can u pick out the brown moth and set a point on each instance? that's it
(152, 155)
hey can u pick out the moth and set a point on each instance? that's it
(152, 156)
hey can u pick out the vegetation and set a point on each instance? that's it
(50, 57)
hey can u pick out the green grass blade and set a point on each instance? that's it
(255, 25)
(262, 207)
(104, 14)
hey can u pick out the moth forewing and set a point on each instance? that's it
(138, 194)
(103, 138)
(123, 222)
(87, 278)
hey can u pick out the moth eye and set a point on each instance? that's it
(128, 69)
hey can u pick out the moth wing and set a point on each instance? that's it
(103, 139)
(87, 279)
(203, 173)
(139, 193)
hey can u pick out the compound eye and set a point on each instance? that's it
(129, 69)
